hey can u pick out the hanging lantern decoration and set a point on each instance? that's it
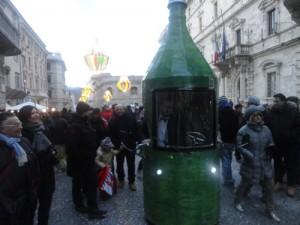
(96, 61)
(107, 95)
(124, 83)
(85, 93)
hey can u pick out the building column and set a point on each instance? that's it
(242, 86)
(2, 84)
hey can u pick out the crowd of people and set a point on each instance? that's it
(34, 145)
(265, 139)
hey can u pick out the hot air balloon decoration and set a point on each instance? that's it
(107, 95)
(96, 61)
(123, 84)
(85, 93)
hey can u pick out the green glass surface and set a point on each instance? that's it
(179, 187)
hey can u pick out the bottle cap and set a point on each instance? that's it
(173, 1)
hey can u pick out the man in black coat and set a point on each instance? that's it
(123, 129)
(82, 143)
(228, 127)
(284, 122)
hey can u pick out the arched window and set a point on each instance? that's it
(134, 91)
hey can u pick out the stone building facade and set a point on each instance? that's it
(27, 76)
(33, 64)
(105, 81)
(9, 45)
(59, 96)
(261, 53)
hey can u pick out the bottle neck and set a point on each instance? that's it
(177, 20)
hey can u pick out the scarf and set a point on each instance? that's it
(13, 143)
(40, 141)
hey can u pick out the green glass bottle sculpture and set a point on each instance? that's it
(181, 172)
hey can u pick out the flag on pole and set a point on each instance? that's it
(216, 50)
(224, 45)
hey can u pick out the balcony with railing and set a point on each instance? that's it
(234, 56)
(9, 37)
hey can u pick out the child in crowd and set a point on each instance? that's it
(104, 160)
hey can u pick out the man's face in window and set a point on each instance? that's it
(166, 109)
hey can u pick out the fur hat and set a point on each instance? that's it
(82, 107)
(106, 143)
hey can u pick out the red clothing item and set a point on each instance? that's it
(106, 115)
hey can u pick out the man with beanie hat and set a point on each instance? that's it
(228, 127)
(81, 145)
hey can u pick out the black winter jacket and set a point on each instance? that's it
(124, 129)
(18, 184)
(284, 124)
(81, 145)
(228, 125)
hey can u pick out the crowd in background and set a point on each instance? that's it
(266, 142)
(264, 139)
(33, 145)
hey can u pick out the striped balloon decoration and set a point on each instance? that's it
(96, 61)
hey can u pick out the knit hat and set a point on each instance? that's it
(253, 100)
(223, 102)
(252, 109)
(82, 107)
(106, 143)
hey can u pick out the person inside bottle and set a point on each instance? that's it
(166, 125)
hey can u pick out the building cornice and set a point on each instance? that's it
(279, 47)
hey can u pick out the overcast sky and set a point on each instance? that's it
(127, 30)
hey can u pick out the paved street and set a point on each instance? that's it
(126, 208)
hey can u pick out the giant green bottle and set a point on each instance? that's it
(181, 172)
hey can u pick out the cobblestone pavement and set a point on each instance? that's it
(126, 208)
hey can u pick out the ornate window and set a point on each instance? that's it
(271, 84)
(271, 72)
(271, 22)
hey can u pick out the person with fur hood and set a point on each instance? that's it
(104, 161)
(254, 141)
(105, 153)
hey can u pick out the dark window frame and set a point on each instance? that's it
(184, 148)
